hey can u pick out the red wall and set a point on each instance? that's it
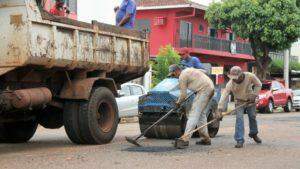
(160, 35)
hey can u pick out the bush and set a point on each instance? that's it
(166, 57)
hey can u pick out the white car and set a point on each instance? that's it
(129, 98)
(296, 100)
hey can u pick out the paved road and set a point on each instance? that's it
(51, 149)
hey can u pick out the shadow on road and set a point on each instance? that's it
(34, 145)
(152, 149)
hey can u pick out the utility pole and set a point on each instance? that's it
(286, 67)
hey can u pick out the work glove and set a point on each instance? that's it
(178, 105)
(219, 115)
(252, 98)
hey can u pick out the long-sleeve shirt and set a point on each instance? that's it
(192, 62)
(194, 80)
(241, 92)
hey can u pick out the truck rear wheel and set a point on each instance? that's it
(94, 121)
(17, 132)
(70, 118)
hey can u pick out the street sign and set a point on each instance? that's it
(217, 70)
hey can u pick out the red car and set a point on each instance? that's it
(273, 95)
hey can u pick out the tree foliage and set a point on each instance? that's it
(166, 57)
(269, 25)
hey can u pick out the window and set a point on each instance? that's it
(72, 4)
(213, 32)
(276, 86)
(186, 34)
(201, 28)
(143, 25)
(125, 90)
(136, 90)
(231, 37)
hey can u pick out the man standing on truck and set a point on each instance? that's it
(196, 81)
(245, 87)
(190, 61)
(125, 14)
(59, 9)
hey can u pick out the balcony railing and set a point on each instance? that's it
(210, 43)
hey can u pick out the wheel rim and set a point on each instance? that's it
(289, 105)
(105, 116)
(270, 106)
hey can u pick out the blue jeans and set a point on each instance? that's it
(239, 125)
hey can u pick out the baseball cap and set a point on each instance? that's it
(173, 68)
(235, 72)
(183, 51)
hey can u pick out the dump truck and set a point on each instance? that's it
(58, 72)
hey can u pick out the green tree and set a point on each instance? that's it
(166, 57)
(269, 25)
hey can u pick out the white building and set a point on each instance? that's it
(295, 50)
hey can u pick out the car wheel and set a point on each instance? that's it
(297, 109)
(270, 107)
(289, 105)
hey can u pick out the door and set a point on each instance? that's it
(186, 35)
(136, 92)
(277, 93)
(282, 94)
(125, 102)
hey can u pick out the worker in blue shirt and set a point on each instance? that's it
(125, 14)
(190, 61)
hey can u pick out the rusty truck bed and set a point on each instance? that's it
(30, 36)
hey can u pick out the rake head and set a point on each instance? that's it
(133, 141)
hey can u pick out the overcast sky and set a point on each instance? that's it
(102, 10)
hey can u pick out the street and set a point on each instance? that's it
(51, 149)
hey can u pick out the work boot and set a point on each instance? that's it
(255, 138)
(239, 145)
(180, 143)
(206, 142)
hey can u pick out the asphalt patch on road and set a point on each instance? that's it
(151, 149)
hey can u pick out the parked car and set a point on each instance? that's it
(273, 95)
(296, 100)
(128, 100)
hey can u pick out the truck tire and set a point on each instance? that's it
(50, 117)
(98, 117)
(289, 106)
(71, 121)
(17, 132)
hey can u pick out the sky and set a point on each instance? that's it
(103, 10)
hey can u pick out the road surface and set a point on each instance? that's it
(51, 149)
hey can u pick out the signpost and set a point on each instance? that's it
(217, 71)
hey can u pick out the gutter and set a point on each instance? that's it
(187, 16)
(197, 6)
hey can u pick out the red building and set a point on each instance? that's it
(181, 23)
(72, 4)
